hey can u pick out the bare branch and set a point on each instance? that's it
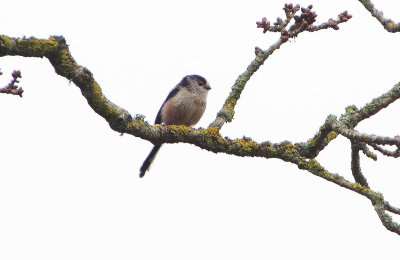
(355, 164)
(380, 149)
(388, 24)
(369, 139)
(342, 18)
(392, 209)
(367, 152)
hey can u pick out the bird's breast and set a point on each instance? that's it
(185, 108)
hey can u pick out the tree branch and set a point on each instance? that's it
(302, 23)
(11, 88)
(57, 52)
(355, 164)
(388, 24)
(394, 154)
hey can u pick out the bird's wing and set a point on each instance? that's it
(171, 94)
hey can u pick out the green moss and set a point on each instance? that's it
(96, 93)
(289, 151)
(96, 99)
(351, 108)
(311, 142)
(65, 64)
(315, 167)
(36, 48)
(6, 41)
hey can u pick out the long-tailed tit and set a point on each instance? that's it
(184, 105)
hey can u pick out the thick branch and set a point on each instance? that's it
(56, 50)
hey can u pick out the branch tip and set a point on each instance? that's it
(12, 88)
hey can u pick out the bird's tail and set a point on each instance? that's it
(146, 164)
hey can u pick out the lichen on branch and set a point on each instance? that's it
(302, 154)
(387, 23)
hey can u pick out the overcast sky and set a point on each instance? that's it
(69, 186)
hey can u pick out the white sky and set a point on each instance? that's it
(69, 186)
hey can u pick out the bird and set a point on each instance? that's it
(184, 105)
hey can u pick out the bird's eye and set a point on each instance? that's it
(201, 83)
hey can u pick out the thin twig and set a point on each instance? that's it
(12, 88)
(302, 23)
(380, 149)
(355, 164)
(392, 209)
(366, 138)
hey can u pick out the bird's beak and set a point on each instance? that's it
(207, 87)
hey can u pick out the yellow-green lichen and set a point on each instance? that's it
(289, 150)
(211, 130)
(179, 130)
(228, 109)
(311, 142)
(390, 25)
(212, 137)
(332, 135)
(360, 187)
(246, 144)
(314, 167)
(212, 134)
(230, 103)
